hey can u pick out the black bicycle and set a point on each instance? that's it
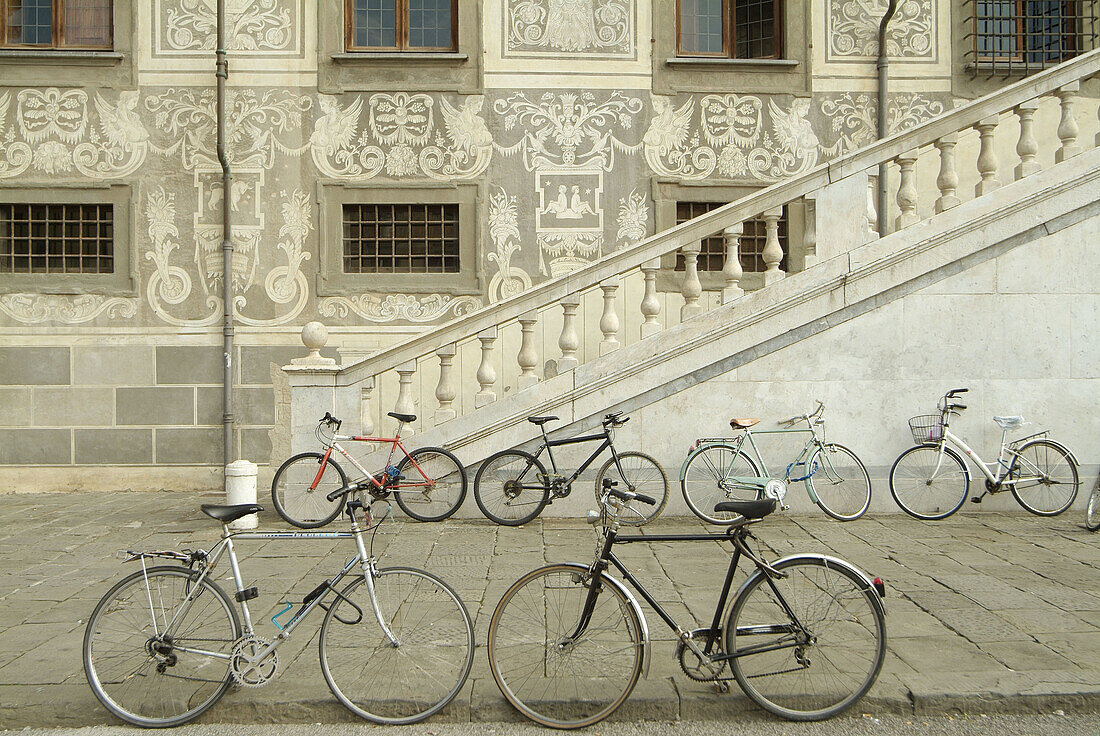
(804, 636)
(512, 487)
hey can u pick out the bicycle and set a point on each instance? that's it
(719, 469)
(301, 487)
(1092, 509)
(932, 481)
(804, 636)
(512, 487)
(164, 644)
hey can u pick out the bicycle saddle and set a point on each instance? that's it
(749, 509)
(744, 422)
(226, 514)
(539, 421)
(406, 418)
(1009, 423)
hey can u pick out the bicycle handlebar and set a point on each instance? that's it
(341, 492)
(631, 496)
(806, 417)
(329, 419)
(954, 391)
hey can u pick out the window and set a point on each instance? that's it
(712, 256)
(401, 238)
(64, 24)
(738, 29)
(401, 25)
(56, 238)
(1031, 34)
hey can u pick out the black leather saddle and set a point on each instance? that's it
(406, 418)
(539, 421)
(226, 514)
(749, 509)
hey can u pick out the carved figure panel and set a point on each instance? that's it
(584, 28)
(853, 27)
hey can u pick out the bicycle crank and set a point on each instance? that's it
(694, 666)
(247, 667)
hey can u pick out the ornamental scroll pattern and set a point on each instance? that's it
(35, 309)
(52, 133)
(402, 136)
(251, 25)
(854, 117)
(393, 307)
(854, 26)
(590, 28)
(727, 134)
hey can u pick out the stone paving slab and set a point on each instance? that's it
(986, 611)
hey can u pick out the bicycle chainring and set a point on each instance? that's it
(695, 668)
(247, 673)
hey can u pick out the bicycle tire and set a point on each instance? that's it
(646, 476)
(836, 668)
(447, 484)
(913, 468)
(702, 480)
(1092, 508)
(847, 485)
(123, 672)
(534, 618)
(1056, 491)
(297, 500)
(509, 469)
(397, 685)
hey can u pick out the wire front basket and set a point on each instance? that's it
(926, 428)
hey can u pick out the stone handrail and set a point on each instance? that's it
(900, 149)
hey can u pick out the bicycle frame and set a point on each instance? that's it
(548, 443)
(1003, 467)
(395, 444)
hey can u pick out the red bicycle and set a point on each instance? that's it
(309, 489)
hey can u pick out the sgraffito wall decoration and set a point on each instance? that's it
(579, 28)
(853, 117)
(853, 26)
(253, 27)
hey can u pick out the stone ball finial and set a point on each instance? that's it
(314, 337)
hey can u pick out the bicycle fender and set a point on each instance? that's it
(1059, 445)
(619, 586)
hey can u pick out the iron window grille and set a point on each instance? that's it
(712, 253)
(57, 238)
(1009, 37)
(401, 238)
(58, 24)
(401, 25)
(738, 29)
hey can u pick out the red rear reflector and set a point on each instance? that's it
(880, 587)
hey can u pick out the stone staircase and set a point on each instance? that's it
(966, 288)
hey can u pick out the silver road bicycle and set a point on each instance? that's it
(166, 642)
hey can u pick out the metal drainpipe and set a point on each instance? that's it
(222, 74)
(882, 65)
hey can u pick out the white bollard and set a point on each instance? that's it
(240, 488)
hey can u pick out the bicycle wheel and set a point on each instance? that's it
(1092, 510)
(300, 487)
(828, 654)
(510, 487)
(641, 474)
(705, 481)
(146, 675)
(1046, 478)
(549, 676)
(434, 485)
(413, 680)
(927, 487)
(839, 482)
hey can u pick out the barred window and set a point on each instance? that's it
(401, 238)
(712, 256)
(739, 29)
(423, 25)
(56, 238)
(1029, 35)
(69, 24)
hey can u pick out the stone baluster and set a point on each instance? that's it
(691, 288)
(1027, 148)
(870, 219)
(445, 390)
(809, 237)
(1067, 128)
(486, 374)
(404, 404)
(366, 416)
(948, 180)
(651, 305)
(987, 157)
(569, 342)
(1096, 141)
(528, 356)
(731, 269)
(773, 251)
(609, 321)
(907, 191)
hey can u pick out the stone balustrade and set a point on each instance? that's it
(618, 299)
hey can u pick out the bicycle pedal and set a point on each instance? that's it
(976, 499)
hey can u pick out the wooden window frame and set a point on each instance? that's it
(58, 33)
(1020, 35)
(401, 31)
(729, 41)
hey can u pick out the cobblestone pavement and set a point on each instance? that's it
(987, 612)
